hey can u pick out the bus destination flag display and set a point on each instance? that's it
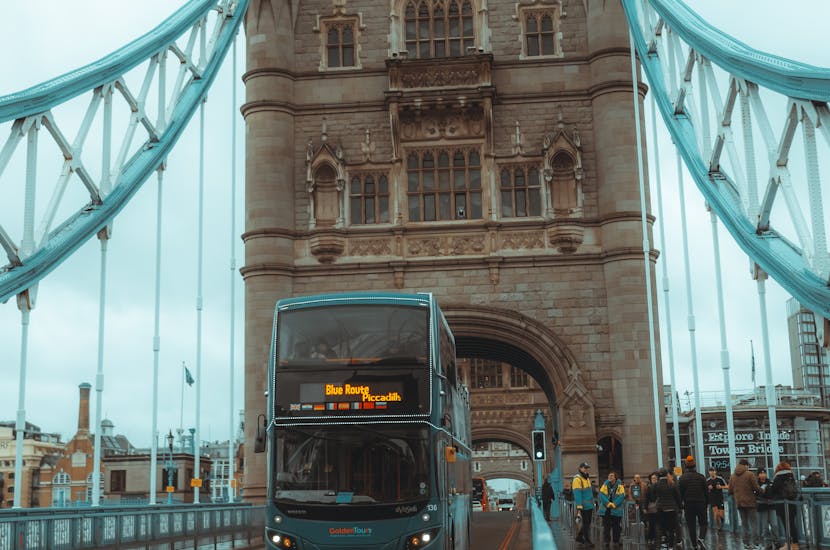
(346, 396)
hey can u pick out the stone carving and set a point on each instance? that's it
(367, 147)
(447, 246)
(467, 245)
(563, 170)
(517, 398)
(523, 241)
(576, 415)
(440, 76)
(442, 123)
(325, 182)
(370, 247)
(326, 247)
(566, 237)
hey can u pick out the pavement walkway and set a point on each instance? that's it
(715, 540)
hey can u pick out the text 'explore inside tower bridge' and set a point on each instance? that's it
(415, 274)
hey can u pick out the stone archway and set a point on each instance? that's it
(525, 343)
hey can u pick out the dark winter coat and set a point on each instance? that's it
(547, 491)
(743, 485)
(665, 494)
(783, 486)
(692, 486)
(764, 495)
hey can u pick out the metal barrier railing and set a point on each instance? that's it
(542, 536)
(115, 527)
(811, 518)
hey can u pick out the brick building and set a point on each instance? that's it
(482, 151)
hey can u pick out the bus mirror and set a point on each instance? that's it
(259, 440)
(449, 454)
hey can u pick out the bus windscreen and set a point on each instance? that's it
(360, 334)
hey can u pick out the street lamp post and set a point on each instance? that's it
(169, 466)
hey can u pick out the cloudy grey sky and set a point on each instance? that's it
(49, 38)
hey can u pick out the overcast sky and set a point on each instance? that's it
(46, 39)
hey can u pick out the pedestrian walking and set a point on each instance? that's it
(651, 509)
(767, 518)
(785, 488)
(547, 498)
(715, 485)
(667, 499)
(743, 486)
(611, 501)
(584, 501)
(694, 496)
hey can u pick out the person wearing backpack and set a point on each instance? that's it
(785, 488)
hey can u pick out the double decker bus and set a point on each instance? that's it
(368, 435)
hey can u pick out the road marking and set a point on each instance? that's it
(509, 537)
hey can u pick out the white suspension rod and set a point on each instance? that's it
(724, 349)
(103, 236)
(24, 303)
(771, 399)
(232, 328)
(197, 434)
(665, 269)
(691, 314)
(156, 339)
(646, 253)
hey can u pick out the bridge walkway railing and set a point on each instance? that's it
(812, 521)
(133, 526)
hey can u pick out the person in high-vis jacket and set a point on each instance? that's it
(584, 501)
(611, 500)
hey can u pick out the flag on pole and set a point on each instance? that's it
(751, 347)
(189, 377)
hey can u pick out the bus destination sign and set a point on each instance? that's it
(375, 395)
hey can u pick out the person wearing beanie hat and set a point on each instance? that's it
(693, 494)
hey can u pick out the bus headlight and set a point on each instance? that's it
(421, 539)
(425, 517)
(280, 540)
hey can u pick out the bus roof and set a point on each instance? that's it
(316, 300)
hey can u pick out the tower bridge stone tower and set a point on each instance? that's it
(483, 151)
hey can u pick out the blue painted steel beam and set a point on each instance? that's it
(86, 223)
(770, 250)
(785, 76)
(44, 96)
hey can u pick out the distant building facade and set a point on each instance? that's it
(40, 450)
(809, 355)
(803, 431)
(58, 474)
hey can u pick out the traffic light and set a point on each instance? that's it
(538, 444)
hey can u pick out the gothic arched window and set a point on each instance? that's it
(369, 199)
(340, 45)
(438, 28)
(326, 202)
(564, 186)
(539, 34)
(444, 185)
(520, 191)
